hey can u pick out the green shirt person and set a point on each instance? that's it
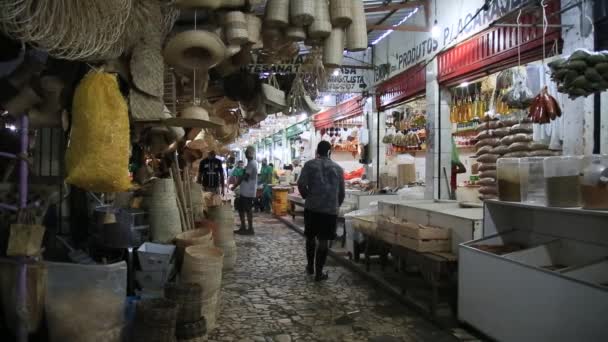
(266, 173)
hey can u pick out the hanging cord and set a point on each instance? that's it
(519, 38)
(194, 100)
(543, 5)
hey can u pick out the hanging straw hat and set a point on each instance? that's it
(198, 143)
(147, 69)
(195, 50)
(194, 116)
(177, 131)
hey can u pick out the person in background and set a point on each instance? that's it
(211, 174)
(457, 168)
(247, 184)
(265, 180)
(321, 184)
(236, 173)
(297, 170)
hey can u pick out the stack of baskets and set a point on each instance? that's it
(203, 265)
(161, 204)
(223, 235)
(199, 236)
(155, 320)
(191, 326)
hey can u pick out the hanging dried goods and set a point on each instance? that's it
(581, 74)
(544, 108)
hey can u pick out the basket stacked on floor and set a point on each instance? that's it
(203, 266)
(161, 204)
(190, 325)
(223, 235)
(155, 320)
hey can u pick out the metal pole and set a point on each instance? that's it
(22, 330)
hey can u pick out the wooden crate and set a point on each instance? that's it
(425, 245)
(422, 232)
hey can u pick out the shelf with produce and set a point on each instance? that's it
(465, 133)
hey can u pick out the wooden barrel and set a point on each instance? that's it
(280, 203)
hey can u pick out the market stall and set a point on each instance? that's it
(400, 101)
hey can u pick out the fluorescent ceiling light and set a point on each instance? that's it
(435, 31)
(385, 34)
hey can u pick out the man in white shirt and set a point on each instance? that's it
(248, 184)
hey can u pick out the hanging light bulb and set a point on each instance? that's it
(435, 31)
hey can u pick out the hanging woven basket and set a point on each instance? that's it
(235, 28)
(302, 12)
(321, 27)
(210, 4)
(356, 33)
(254, 29)
(295, 34)
(277, 13)
(333, 48)
(341, 13)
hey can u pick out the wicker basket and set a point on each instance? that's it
(203, 265)
(189, 298)
(273, 95)
(211, 4)
(356, 33)
(296, 34)
(230, 252)
(191, 330)
(189, 238)
(165, 223)
(302, 12)
(157, 312)
(333, 48)
(277, 13)
(254, 29)
(223, 217)
(341, 12)
(236, 28)
(321, 27)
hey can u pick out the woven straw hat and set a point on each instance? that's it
(194, 116)
(178, 132)
(147, 69)
(195, 50)
(145, 107)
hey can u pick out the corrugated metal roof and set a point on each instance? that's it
(390, 18)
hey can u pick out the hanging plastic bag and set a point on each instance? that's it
(97, 158)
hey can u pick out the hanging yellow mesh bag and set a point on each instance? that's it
(97, 158)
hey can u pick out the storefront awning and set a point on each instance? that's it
(406, 85)
(496, 48)
(345, 110)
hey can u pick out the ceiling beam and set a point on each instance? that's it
(410, 28)
(395, 7)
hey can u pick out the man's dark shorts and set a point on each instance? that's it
(320, 225)
(244, 203)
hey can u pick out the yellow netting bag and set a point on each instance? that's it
(97, 158)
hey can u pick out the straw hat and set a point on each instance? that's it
(147, 69)
(178, 132)
(195, 50)
(194, 116)
(145, 107)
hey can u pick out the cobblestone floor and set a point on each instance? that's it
(268, 297)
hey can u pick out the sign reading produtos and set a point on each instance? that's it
(409, 48)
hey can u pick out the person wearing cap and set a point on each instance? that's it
(211, 174)
(321, 184)
(247, 184)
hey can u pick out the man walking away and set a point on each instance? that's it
(211, 174)
(321, 183)
(248, 184)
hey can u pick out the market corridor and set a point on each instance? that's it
(268, 297)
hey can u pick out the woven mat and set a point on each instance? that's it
(147, 69)
(145, 107)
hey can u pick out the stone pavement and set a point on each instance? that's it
(268, 297)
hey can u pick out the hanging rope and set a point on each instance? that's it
(67, 29)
